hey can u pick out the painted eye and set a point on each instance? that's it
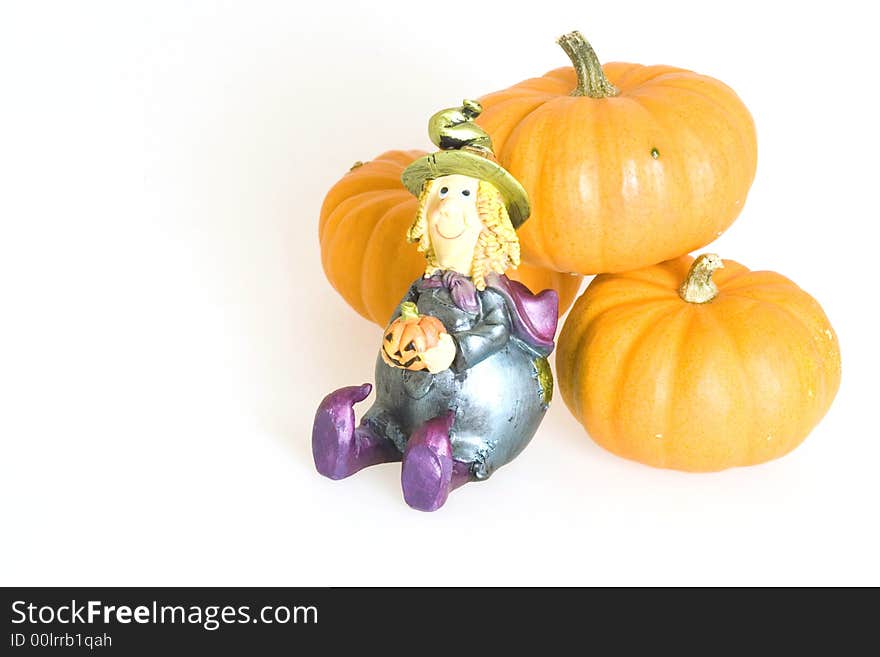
(465, 192)
(443, 192)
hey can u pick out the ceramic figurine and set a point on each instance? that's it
(462, 378)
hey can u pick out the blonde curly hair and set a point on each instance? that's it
(497, 247)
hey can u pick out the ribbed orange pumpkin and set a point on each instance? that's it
(658, 373)
(625, 165)
(364, 251)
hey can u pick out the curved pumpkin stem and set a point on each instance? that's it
(699, 287)
(591, 78)
(409, 310)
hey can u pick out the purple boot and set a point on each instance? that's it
(429, 472)
(341, 449)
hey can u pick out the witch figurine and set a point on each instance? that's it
(462, 378)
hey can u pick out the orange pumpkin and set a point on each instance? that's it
(410, 335)
(625, 165)
(364, 251)
(698, 376)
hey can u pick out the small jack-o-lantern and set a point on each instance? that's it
(409, 336)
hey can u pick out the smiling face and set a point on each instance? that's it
(462, 224)
(453, 223)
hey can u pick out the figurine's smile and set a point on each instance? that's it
(450, 237)
(449, 227)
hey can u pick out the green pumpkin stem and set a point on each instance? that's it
(409, 310)
(698, 286)
(591, 78)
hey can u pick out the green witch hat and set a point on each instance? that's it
(466, 149)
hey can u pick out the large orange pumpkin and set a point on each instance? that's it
(701, 376)
(364, 251)
(625, 165)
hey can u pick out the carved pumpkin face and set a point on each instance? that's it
(408, 336)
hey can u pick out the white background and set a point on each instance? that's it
(167, 331)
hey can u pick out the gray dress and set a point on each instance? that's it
(499, 385)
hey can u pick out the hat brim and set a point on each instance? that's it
(446, 163)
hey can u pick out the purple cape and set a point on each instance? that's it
(534, 315)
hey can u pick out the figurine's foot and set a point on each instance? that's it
(429, 472)
(340, 449)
